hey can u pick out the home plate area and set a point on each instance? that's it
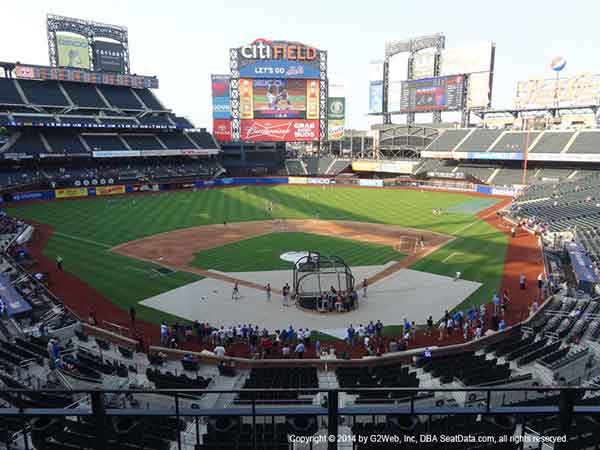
(404, 293)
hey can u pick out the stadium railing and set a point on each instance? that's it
(97, 406)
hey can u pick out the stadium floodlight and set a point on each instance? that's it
(413, 45)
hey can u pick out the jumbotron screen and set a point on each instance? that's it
(279, 99)
(433, 94)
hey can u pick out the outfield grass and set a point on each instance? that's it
(86, 229)
(126, 281)
(263, 252)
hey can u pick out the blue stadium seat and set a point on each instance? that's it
(120, 97)
(142, 142)
(176, 140)
(149, 99)
(64, 141)
(182, 122)
(104, 142)
(153, 121)
(83, 95)
(8, 93)
(29, 142)
(44, 93)
(203, 139)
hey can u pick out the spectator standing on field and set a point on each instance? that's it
(59, 263)
(379, 328)
(522, 282)
(286, 295)
(235, 295)
(350, 333)
(540, 280)
(268, 289)
(365, 284)
(164, 333)
(132, 316)
(496, 304)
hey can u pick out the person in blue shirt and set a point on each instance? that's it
(55, 349)
(406, 325)
(472, 313)
(350, 333)
(300, 350)
(496, 303)
(371, 329)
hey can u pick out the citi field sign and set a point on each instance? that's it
(262, 49)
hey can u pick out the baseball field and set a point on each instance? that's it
(86, 231)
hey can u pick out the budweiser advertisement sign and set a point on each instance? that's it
(279, 130)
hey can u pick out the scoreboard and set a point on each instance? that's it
(433, 94)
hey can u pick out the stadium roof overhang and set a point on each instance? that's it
(553, 111)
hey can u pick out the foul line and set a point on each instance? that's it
(469, 225)
(87, 241)
(450, 256)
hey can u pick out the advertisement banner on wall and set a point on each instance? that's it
(365, 166)
(109, 57)
(403, 167)
(73, 51)
(376, 97)
(222, 130)
(370, 183)
(336, 108)
(116, 154)
(71, 192)
(246, 99)
(319, 181)
(221, 99)
(280, 68)
(335, 130)
(263, 130)
(312, 99)
(505, 191)
(511, 156)
(110, 190)
(35, 195)
(297, 180)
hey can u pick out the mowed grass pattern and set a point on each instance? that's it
(263, 252)
(88, 228)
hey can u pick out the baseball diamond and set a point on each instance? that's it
(173, 230)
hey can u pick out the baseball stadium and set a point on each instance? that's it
(282, 281)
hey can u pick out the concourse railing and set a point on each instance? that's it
(331, 414)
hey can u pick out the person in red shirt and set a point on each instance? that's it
(266, 345)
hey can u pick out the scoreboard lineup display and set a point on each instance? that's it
(433, 94)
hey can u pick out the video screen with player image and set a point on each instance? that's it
(279, 98)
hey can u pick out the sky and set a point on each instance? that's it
(184, 41)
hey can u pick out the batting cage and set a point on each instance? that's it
(315, 274)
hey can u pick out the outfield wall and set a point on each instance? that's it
(120, 189)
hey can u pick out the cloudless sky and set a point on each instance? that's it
(184, 41)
